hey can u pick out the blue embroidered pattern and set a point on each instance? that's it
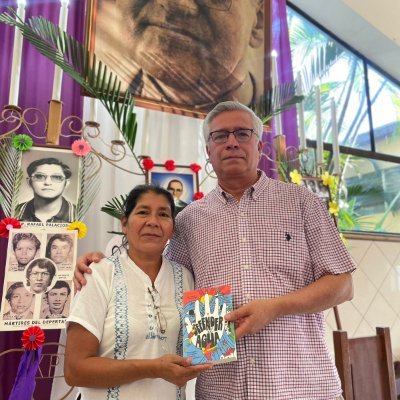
(178, 280)
(121, 319)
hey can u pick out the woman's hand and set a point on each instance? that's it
(82, 266)
(177, 370)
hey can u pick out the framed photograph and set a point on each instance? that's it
(184, 56)
(182, 182)
(50, 187)
(38, 281)
(315, 185)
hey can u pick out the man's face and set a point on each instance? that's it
(48, 181)
(176, 189)
(57, 299)
(234, 160)
(39, 279)
(25, 251)
(188, 44)
(20, 300)
(59, 251)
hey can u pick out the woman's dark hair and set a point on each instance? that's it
(43, 263)
(137, 192)
(25, 236)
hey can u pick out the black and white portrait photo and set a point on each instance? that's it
(56, 302)
(49, 191)
(25, 246)
(188, 54)
(316, 186)
(60, 249)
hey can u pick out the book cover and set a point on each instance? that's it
(207, 337)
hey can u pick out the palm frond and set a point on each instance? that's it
(10, 176)
(115, 206)
(276, 101)
(75, 60)
(89, 184)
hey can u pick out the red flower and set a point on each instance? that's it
(148, 164)
(32, 338)
(80, 147)
(198, 195)
(7, 224)
(195, 167)
(169, 165)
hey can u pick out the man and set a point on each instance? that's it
(59, 248)
(40, 274)
(48, 178)
(192, 53)
(20, 301)
(278, 248)
(56, 299)
(175, 186)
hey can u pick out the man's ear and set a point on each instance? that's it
(259, 147)
(257, 33)
(207, 150)
(29, 181)
(67, 182)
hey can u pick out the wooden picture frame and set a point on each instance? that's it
(182, 182)
(180, 59)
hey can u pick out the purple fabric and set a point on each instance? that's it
(280, 42)
(35, 91)
(24, 384)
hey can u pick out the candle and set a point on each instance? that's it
(93, 110)
(335, 140)
(300, 111)
(57, 82)
(274, 67)
(320, 147)
(16, 60)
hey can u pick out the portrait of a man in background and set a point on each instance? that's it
(50, 189)
(55, 301)
(175, 186)
(194, 53)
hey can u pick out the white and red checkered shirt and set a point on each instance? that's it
(279, 238)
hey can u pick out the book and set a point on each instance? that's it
(207, 337)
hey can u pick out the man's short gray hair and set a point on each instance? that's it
(227, 106)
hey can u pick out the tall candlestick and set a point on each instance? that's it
(320, 147)
(335, 140)
(300, 111)
(274, 67)
(57, 82)
(16, 60)
(93, 110)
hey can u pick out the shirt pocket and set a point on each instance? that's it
(288, 259)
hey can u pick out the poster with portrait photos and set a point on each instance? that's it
(182, 183)
(50, 187)
(38, 280)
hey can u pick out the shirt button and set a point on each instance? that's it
(247, 267)
(247, 296)
(243, 239)
(252, 360)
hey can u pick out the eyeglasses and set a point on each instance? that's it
(220, 5)
(159, 316)
(42, 274)
(43, 177)
(174, 190)
(241, 135)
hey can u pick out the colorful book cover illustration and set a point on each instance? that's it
(207, 337)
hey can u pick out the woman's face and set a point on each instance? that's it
(149, 226)
(20, 300)
(25, 251)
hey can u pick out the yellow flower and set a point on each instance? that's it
(327, 180)
(333, 208)
(296, 177)
(80, 227)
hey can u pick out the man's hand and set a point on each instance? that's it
(177, 370)
(82, 266)
(253, 316)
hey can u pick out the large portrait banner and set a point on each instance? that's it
(38, 281)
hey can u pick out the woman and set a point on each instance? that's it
(124, 329)
(25, 246)
(20, 301)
